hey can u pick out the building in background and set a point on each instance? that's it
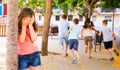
(99, 14)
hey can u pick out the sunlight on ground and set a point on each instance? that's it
(69, 57)
(117, 58)
(117, 62)
(47, 62)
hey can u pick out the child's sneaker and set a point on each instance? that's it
(66, 54)
(111, 59)
(116, 52)
(74, 61)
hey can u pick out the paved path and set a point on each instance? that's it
(58, 62)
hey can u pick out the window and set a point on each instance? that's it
(70, 17)
(80, 18)
(94, 18)
(108, 18)
(57, 18)
(0, 1)
(39, 17)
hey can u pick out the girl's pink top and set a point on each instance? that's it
(28, 46)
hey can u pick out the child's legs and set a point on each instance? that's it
(108, 45)
(85, 41)
(66, 44)
(33, 68)
(76, 48)
(90, 47)
(86, 44)
(71, 44)
(72, 53)
(77, 54)
(110, 53)
(61, 42)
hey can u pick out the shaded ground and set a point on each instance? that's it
(59, 62)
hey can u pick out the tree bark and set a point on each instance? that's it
(12, 35)
(89, 11)
(90, 7)
(44, 49)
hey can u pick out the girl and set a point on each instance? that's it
(28, 55)
(73, 40)
(87, 34)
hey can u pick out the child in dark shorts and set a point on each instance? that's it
(73, 33)
(108, 40)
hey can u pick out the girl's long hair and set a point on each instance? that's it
(25, 12)
(87, 23)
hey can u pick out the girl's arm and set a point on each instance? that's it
(22, 36)
(82, 33)
(33, 34)
(94, 29)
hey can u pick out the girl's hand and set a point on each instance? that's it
(32, 20)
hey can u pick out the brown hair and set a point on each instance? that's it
(76, 21)
(64, 16)
(87, 23)
(104, 22)
(25, 12)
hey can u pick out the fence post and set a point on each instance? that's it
(2, 30)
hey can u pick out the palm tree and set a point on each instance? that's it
(12, 35)
(48, 11)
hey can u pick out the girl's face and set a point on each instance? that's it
(26, 20)
(88, 24)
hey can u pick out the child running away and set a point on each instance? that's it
(87, 35)
(73, 35)
(108, 36)
(28, 54)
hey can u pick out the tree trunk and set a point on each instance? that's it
(89, 11)
(12, 35)
(44, 50)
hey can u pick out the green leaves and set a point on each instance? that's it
(64, 7)
(110, 4)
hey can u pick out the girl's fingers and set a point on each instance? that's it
(32, 19)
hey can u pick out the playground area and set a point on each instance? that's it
(56, 61)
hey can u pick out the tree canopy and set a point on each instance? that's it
(110, 4)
